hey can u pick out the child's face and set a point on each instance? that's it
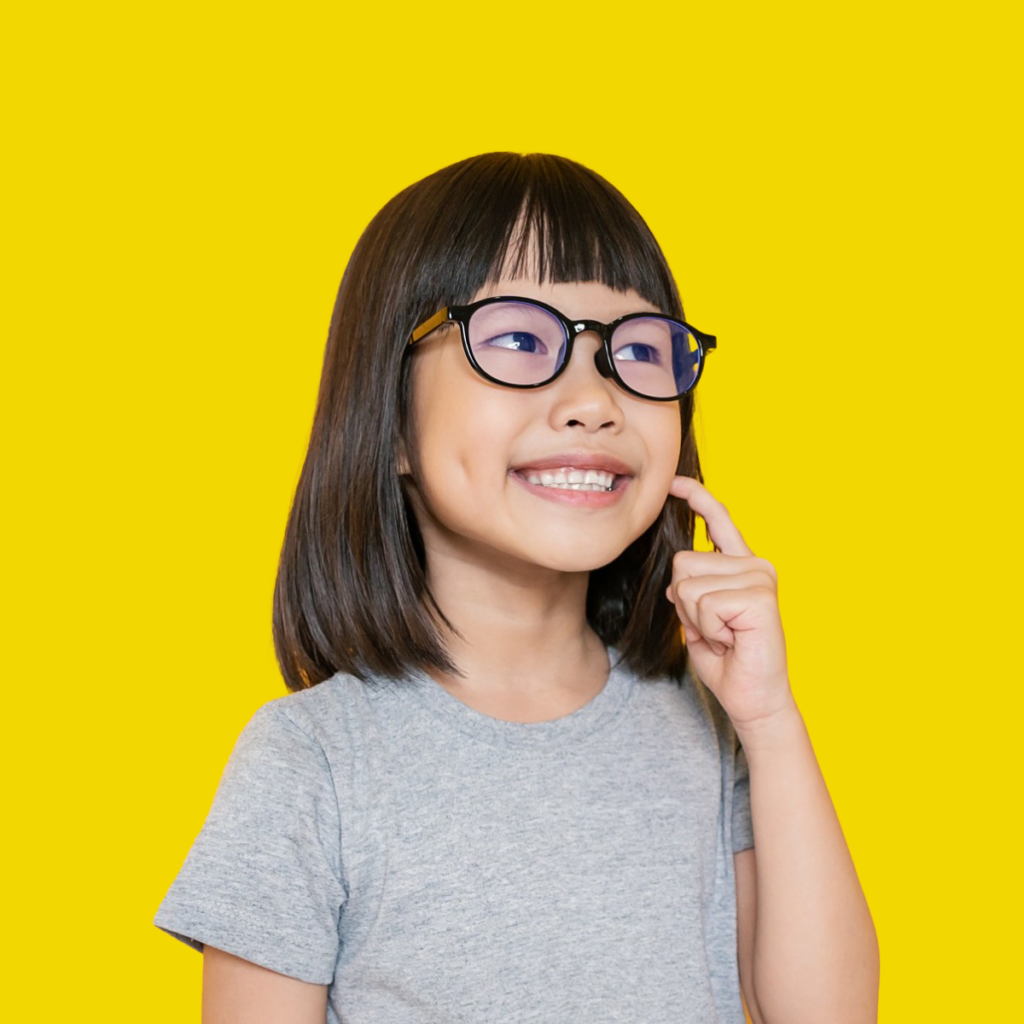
(477, 442)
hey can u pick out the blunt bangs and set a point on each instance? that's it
(351, 593)
(540, 216)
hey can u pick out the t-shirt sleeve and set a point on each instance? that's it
(263, 879)
(742, 825)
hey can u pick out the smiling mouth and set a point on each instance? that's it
(568, 478)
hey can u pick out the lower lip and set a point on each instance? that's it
(576, 499)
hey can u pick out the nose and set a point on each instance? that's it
(584, 396)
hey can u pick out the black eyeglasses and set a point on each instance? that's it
(525, 343)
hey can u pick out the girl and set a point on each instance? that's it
(503, 788)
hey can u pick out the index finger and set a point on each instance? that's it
(723, 532)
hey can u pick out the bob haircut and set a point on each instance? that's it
(351, 593)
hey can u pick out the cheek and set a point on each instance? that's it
(665, 438)
(463, 433)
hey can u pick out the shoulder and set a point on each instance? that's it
(302, 746)
(686, 712)
(714, 716)
(689, 693)
(309, 708)
(343, 713)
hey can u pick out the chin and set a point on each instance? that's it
(576, 557)
(585, 550)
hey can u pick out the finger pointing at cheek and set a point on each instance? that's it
(723, 532)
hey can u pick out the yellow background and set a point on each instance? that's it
(836, 190)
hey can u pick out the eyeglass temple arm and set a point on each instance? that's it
(708, 342)
(429, 325)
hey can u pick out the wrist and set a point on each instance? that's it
(777, 728)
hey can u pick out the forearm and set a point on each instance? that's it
(815, 950)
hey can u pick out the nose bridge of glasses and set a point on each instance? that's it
(600, 355)
(581, 326)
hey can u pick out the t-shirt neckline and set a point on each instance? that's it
(598, 712)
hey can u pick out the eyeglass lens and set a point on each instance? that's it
(519, 343)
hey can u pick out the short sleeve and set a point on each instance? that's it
(742, 825)
(263, 879)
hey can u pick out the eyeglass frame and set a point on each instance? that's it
(603, 358)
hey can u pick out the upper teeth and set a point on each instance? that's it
(573, 479)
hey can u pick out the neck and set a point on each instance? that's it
(523, 632)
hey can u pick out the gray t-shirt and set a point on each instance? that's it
(430, 863)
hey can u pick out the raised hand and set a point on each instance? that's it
(727, 601)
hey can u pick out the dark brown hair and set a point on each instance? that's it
(351, 592)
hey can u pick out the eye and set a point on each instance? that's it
(638, 352)
(518, 341)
